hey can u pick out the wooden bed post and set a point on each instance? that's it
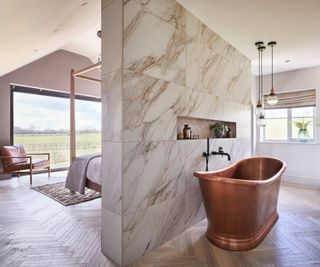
(73, 75)
(72, 118)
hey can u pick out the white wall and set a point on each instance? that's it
(301, 159)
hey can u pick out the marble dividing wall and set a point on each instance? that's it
(160, 62)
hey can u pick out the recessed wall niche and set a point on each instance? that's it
(200, 128)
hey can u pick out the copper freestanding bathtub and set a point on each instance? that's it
(241, 201)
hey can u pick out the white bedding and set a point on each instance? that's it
(94, 170)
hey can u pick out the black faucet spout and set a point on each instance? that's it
(220, 152)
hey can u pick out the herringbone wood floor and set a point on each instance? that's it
(37, 231)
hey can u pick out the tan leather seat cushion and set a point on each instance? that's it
(36, 164)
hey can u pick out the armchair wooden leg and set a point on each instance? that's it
(30, 166)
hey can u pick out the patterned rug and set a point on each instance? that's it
(59, 193)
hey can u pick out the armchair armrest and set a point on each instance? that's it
(16, 157)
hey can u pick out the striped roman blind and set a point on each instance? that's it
(294, 99)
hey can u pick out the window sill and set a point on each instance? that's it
(289, 142)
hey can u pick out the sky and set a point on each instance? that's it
(43, 112)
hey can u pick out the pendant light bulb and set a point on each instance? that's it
(259, 108)
(272, 98)
(261, 121)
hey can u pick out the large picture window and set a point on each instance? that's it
(41, 122)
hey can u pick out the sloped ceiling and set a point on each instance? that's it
(294, 24)
(35, 28)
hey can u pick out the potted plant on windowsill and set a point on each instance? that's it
(303, 134)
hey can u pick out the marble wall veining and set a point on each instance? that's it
(165, 63)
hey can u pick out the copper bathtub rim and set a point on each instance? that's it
(208, 175)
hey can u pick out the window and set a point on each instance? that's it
(41, 122)
(281, 123)
(88, 126)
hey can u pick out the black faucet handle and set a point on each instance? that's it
(220, 149)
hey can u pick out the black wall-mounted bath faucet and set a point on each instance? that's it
(220, 152)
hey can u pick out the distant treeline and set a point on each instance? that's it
(18, 130)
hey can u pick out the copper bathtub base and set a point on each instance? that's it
(244, 242)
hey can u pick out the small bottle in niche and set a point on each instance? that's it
(186, 131)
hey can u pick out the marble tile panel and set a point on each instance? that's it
(207, 71)
(194, 161)
(224, 83)
(148, 228)
(218, 162)
(112, 177)
(168, 10)
(200, 67)
(150, 108)
(111, 236)
(243, 119)
(206, 106)
(111, 26)
(194, 207)
(240, 149)
(241, 85)
(241, 61)
(200, 32)
(153, 172)
(153, 46)
(111, 97)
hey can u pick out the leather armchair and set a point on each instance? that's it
(15, 160)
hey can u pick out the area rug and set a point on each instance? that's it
(59, 193)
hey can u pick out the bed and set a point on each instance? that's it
(93, 174)
(85, 171)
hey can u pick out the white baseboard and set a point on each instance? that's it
(303, 180)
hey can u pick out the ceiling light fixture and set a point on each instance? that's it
(272, 98)
(259, 108)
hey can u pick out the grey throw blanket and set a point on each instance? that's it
(76, 179)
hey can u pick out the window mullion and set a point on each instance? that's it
(289, 121)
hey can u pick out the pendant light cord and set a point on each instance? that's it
(272, 66)
(259, 88)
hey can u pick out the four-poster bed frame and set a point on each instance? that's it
(73, 75)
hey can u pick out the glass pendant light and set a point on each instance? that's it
(259, 108)
(272, 98)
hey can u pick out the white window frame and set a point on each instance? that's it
(289, 139)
